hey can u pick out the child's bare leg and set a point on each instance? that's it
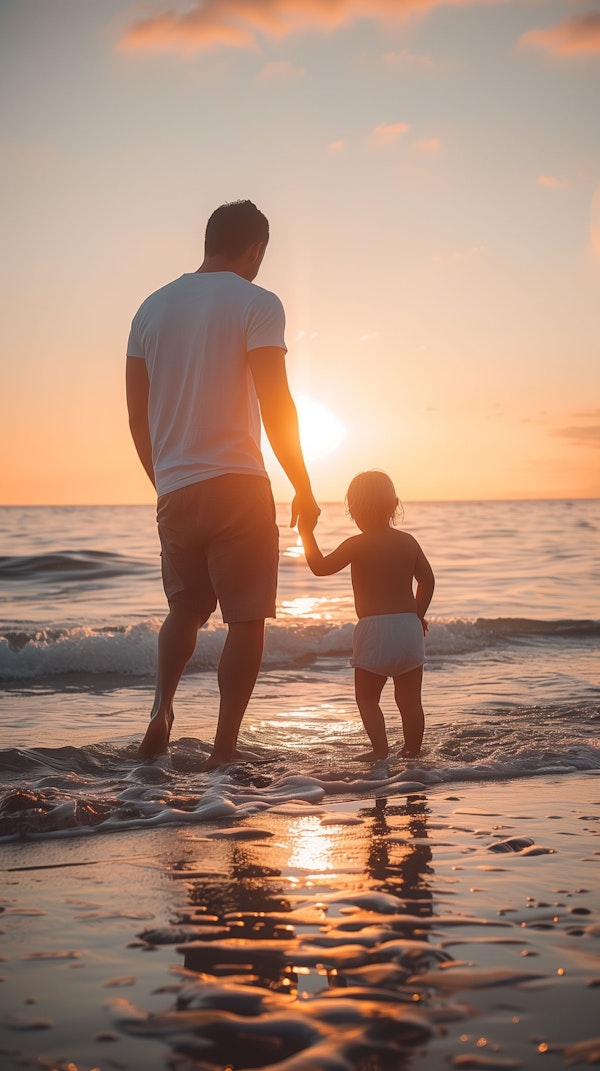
(368, 688)
(407, 692)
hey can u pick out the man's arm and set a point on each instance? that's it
(280, 420)
(137, 386)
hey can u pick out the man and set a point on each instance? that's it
(204, 353)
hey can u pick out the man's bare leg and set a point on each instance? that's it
(238, 670)
(176, 644)
(368, 688)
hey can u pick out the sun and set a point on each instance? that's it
(320, 430)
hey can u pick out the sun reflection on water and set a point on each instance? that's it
(307, 606)
(294, 550)
(312, 845)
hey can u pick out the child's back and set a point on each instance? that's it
(383, 565)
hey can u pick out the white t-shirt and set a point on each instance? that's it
(194, 335)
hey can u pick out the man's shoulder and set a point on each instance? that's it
(163, 291)
(225, 288)
(259, 293)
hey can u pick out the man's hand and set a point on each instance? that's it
(305, 506)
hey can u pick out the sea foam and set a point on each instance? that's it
(130, 650)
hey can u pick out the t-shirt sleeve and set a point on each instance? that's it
(134, 345)
(265, 324)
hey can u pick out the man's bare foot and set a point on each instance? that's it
(371, 756)
(156, 740)
(213, 761)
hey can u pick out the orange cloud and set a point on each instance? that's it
(406, 59)
(586, 436)
(551, 182)
(457, 256)
(595, 225)
(238, 23)
(278, 70)
(578, 36)
(386, 134)
(197, 30)
(336, 146)
(428, 146)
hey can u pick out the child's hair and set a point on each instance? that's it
(373, 494)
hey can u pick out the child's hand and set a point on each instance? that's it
(425, 625)
(306, 525)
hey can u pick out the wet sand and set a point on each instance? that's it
(454, 928)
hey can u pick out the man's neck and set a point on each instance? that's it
(217, 263)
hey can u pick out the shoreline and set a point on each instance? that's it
(457, 927)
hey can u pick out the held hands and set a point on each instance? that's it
(305, 527)
(305, 512)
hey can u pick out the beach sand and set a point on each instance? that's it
(454, 928)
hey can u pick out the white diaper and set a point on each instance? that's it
(388, 644)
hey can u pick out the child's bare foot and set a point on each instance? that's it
(406, 753)
(213, 761)
(156, 740)
(371, 756)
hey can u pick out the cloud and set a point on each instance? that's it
(280, 70)
(199, 29)
(405, 59)
(595, 225)
(239, 23)
(586, 436)
(306, 336)
(336, 146)
(386, 134)
(428, 146)
(551, 182)
(578, 36)
(457, 256)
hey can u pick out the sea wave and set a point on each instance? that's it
(68, 565)
(29, 653)
(103, 787)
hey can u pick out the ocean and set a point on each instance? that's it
(511, 687)
(303, 912)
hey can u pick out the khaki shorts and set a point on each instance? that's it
(219, 542)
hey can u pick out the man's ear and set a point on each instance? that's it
(257, 251)
(248, 263)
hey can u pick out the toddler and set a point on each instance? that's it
(388, 638)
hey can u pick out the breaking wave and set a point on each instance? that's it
(29, 653)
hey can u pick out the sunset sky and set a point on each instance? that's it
(431, 173)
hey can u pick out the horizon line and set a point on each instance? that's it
(286, 501)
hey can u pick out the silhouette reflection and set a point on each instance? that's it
(402, 868)
(307, 937)
(257, 901)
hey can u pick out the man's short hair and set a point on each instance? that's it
(233, 227)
